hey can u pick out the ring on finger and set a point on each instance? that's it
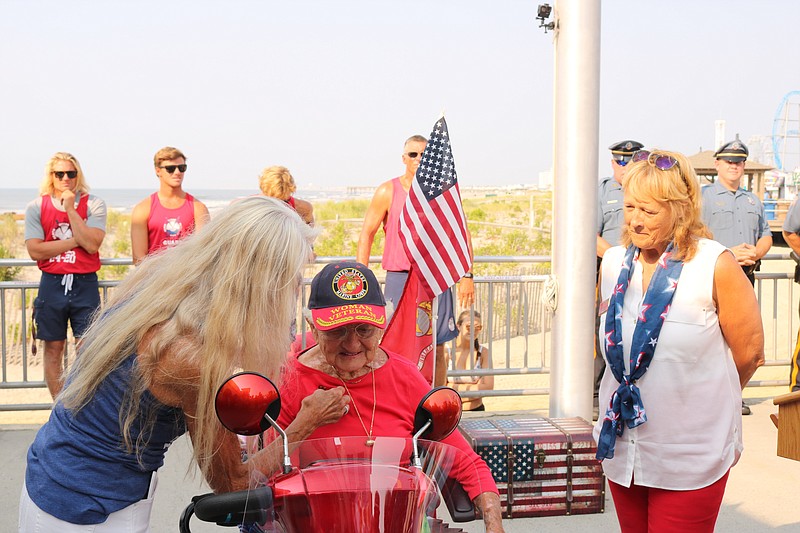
(346, 409)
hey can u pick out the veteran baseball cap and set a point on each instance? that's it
(623, 150)
(734, 151)
(345, 293)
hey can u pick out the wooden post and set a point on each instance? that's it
(788, 425)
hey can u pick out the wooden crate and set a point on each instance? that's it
(542, 466)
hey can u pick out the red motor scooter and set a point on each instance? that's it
(339, 485)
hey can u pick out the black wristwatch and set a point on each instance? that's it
(468, 275)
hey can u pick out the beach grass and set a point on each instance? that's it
(500, 225)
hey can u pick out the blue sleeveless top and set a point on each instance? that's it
(78, 469)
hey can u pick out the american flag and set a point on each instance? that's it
(432, 223)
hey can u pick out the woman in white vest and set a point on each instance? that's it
(681, 334)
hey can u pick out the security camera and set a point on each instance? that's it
(543, 12)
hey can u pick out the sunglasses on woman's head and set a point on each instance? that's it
(660, 161)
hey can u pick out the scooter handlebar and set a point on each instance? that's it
(233, 508)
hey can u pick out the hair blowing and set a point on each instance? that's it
(222, 299)
(679, 191)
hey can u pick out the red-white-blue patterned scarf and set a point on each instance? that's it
(626, 402)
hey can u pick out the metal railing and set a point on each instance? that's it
(516, 325)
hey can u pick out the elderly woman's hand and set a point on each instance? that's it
(488, 503)
(327, 406)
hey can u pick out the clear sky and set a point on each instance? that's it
(332, 89)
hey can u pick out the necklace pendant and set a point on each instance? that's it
(370, 443)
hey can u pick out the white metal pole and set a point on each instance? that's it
(576, 124)
(434, 326)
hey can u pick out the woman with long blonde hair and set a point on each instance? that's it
(150, 364)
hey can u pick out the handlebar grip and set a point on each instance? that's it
(233, 508)
(457, 500)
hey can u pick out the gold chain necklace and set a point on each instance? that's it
(370, 441)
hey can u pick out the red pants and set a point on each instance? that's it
(644, 509)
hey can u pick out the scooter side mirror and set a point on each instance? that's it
(244, 399)
(442, 408)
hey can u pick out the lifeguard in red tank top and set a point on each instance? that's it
(56, 227)
(165, 227)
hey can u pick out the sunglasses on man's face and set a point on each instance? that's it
(414, 155)
(171, 168)
(66, 174)
(622, 161)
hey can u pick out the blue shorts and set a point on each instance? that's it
(445, 325)
(52, 309)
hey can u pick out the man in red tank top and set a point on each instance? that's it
(169, 214)
(384, 210)
(64, 228)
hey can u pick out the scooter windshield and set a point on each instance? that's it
(346, 484)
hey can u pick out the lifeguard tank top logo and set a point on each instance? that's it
(172, 227)
(62, 232)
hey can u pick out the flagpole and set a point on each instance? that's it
(434, 322)
(576, 124)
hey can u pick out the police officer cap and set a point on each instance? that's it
(623, 150)
(734, 151)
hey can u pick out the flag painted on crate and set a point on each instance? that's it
(410, 330)
(432, 224)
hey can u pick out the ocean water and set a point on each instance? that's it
(15, 200)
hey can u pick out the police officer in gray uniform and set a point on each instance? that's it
(609, 198)
(609, 224)
(735, 216)
(791, 234)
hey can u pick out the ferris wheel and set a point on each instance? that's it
(786, 133)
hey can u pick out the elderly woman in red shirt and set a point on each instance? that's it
(347, 385)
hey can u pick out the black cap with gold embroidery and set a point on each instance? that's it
(346, 293)
(734, 151)
(623, 150)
